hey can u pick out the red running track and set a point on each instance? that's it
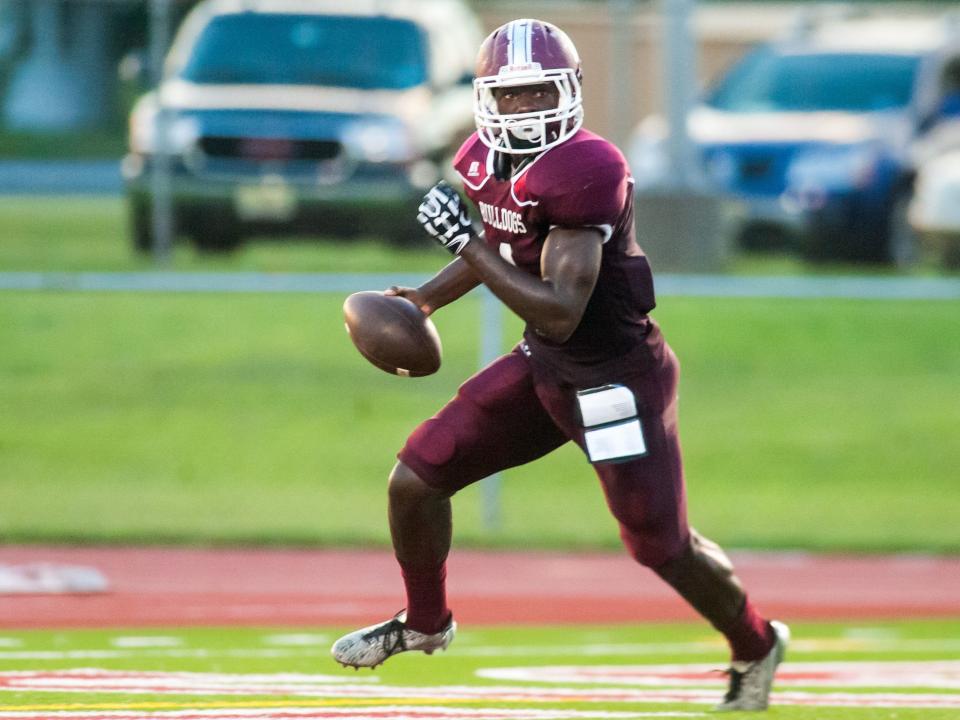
(154, 587)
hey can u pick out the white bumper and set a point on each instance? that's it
(936, 202)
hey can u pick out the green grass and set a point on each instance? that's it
(107, 143)
(89, 234)
(220, 418)
(249, 418)
(417, 681)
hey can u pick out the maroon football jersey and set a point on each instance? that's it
(584, 182)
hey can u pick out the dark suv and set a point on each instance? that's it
(286, 116)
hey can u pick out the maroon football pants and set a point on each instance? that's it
(510, 413)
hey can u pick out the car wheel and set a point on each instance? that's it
(216, 233)
(950, 253)
(903, 247)
(141, 227)
(216, 240)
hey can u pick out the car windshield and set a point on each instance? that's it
(768, 81)
(340, 51)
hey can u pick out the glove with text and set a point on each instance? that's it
(444, 217)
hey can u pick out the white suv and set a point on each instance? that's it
(935, 209)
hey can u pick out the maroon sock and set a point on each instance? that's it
(427, 610)
(750, 637)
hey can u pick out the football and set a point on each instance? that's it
(392, 333)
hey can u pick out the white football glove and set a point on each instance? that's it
(444, 217)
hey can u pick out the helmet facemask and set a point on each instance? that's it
(531, 132)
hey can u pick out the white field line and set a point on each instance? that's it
(146, 641)
(297, 639)
(711, 647)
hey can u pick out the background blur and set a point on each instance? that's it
(174, 367)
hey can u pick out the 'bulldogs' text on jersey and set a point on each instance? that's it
(502, 218)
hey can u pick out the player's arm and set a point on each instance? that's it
(553, 304)
(451, 283)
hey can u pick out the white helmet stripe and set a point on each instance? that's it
(507, 55)
(520, 47)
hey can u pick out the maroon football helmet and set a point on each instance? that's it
(527, 52)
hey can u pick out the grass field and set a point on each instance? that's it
(249, 418)
(217, 418)
(874, 671)
(157, 418)
(90, 233)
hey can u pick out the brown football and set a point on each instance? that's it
(392, 333)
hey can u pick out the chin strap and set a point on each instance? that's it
(502, 168)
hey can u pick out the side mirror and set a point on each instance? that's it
(134, 68)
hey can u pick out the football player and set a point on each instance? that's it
(558, 248)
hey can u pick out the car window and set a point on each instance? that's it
(340, 51)
(767, 80)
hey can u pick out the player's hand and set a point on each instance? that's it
(444, 217)
(411, 294)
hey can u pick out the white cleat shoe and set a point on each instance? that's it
(750, 682)
(370, 646)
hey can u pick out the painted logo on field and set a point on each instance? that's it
(323, 696)
(936, 674)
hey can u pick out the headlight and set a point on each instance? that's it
(649, 162)
(647, 152)
(936, 198)
(379, 141)
(842, 167)
(181, 135)
(721, 166)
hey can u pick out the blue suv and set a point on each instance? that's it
(814, 134)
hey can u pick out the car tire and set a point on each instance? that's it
(216, 233)
(141, 227)
(950, 253)
(903, 246)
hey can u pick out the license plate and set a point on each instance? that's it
(271, 199)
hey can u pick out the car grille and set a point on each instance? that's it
(269, 149)
(750, 170)
(756, 168)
